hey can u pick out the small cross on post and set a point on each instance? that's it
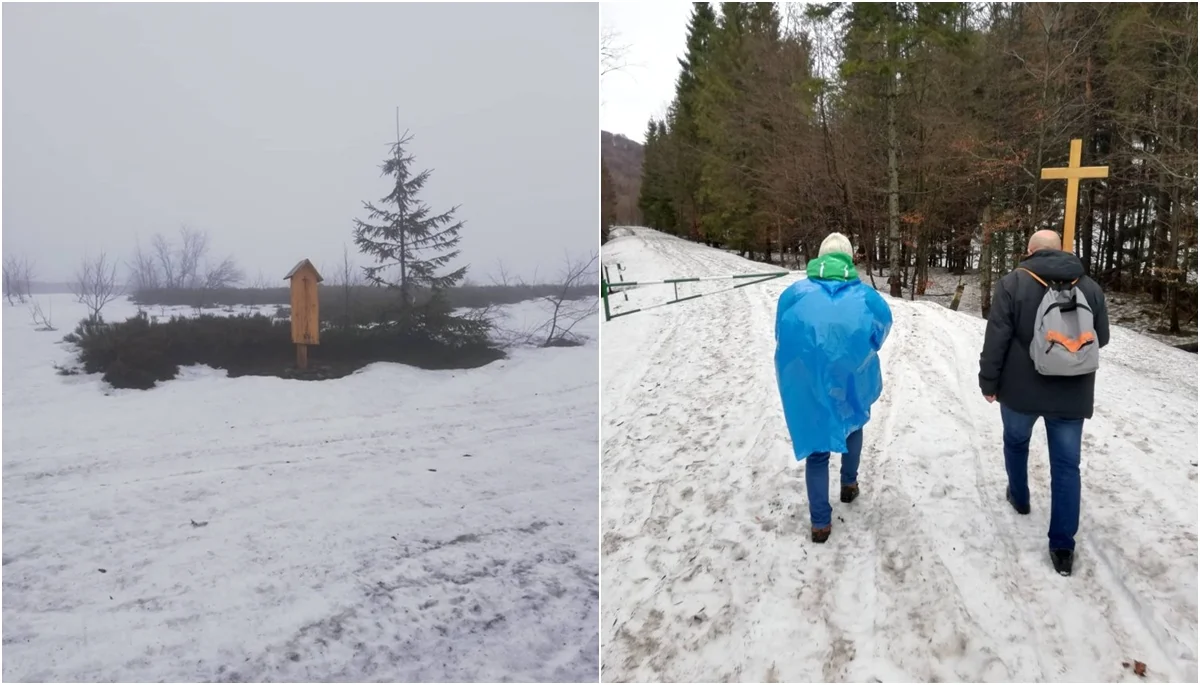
(1071, 174)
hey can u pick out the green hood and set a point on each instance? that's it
(833, 267)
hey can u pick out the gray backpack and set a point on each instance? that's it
(1064, 333)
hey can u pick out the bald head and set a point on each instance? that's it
(1044, 240)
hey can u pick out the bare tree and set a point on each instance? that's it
(568, 311)
(95, 284)
(144, 272)
(18, 279)
(503, 279)
(612, 51)
(347, 277)
(12, 271)
(180, 268)
(164, 254)
(224, 274)
(25, 282)
(192, 251)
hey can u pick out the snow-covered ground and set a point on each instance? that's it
(393, 525)
(709, 572)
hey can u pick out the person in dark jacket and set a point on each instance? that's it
(1007, 375)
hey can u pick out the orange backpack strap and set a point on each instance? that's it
(1035, 276)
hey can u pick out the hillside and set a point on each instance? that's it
(623, 157)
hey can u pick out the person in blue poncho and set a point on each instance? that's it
(829, 329)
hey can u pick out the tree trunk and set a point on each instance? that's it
(1174, 271)
(985, 265)
(893, 185)
(958, 293)
(1088, 228)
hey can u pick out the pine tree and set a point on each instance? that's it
(409, 235)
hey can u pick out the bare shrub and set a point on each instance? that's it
(95, 284)
(41, 319)
(568, 309)
(567, 313)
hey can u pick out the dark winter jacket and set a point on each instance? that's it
(1005, 368)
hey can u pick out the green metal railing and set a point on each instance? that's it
(608, 287)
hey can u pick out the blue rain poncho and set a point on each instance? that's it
(828, 334)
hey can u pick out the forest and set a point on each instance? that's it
(921, 129)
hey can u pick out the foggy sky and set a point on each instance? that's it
(655, 37)
(266, 124)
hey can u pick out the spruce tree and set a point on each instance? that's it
(407, 235)
(684, 130)
(654, 200)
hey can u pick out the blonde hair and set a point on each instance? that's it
(836, 243)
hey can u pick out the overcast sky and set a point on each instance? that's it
(656, 36)
(265, 125)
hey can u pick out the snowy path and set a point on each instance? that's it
(708, 572)
(394, 525)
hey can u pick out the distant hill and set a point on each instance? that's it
(623, 157)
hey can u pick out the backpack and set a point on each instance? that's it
(1064, 332)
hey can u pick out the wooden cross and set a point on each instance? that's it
(1071, 174)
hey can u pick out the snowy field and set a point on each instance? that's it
(709, 572)
(393, 525)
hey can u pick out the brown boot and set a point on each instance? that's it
(822, 534)
(849, 492)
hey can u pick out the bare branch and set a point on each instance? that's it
(568, 313)
(613, 52)
(95, 284)
(40, 319)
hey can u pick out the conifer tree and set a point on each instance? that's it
(655, 197)
(684, 131)
(407, 235)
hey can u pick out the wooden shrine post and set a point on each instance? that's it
(1071, 174)
(306, 315)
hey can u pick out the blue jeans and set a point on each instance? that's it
(816, 478)
(1065, 438)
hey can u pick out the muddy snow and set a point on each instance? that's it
(393, 525)
(709, 573)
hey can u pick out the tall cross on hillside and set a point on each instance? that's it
(1071, 174)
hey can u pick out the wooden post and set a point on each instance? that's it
(1071, 174)
(306, 313)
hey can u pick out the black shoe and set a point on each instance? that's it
(849, 492)
(821, 534)
(1024, 511)
(1063, 560)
